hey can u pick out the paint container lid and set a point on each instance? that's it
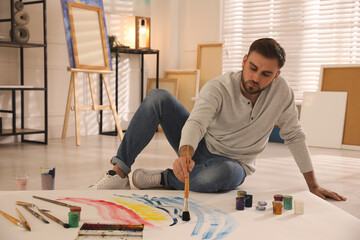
(241, 193)
(75, 209)
(278, 197)
(288, 197)
(262, 203)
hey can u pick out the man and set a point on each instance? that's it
(228, 127)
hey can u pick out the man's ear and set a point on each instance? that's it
(244, 60)
(276, 75)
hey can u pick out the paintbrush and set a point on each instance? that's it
(54, 201)
(36, 214)
(25, 204)
(23, 220)
(12, 219)
(186, 213)
(65, 225)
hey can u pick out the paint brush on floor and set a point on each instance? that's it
(186, 213)
(35, 214)
(23, 220)
(55, 219)
(54, 201)
(13, 220)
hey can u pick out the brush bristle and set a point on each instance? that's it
(66, 225)
(186, 216)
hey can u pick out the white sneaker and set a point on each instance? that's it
(143, 178)
(111, 180)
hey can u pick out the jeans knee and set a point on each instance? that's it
(157, 97)
(223, 176)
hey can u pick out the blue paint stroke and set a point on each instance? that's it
(229, 226)
(214, 224)
(214, 220)
(173, 207)
(198, 213)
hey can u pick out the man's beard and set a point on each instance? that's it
(249, 89)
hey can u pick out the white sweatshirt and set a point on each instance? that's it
(232, 127)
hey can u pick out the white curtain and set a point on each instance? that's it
(312, 32)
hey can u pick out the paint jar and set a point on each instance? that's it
(47, 178)
(288, 202)
(260, 208)
(240, 203)
(299, 207)
(21, 181)
(278, 197)
(241, 194)
(248, 200)
(277, 207)
(74, 218)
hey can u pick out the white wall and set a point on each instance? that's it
(177, 26)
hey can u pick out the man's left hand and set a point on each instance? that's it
(325, 193)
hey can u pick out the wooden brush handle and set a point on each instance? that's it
(24, 204)
(10, 218)
(186, 192)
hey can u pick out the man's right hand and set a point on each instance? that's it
(179, 166)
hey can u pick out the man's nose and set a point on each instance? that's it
(257, 77)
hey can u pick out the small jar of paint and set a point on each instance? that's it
(299, 207)
(288, 202)
(240, 203)
(260, 208)
(277, 207)
(74, 219)
(248, 200)
(278, 197)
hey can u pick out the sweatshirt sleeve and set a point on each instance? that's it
(293, 134)
(205, 108)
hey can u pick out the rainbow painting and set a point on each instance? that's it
(157, 213)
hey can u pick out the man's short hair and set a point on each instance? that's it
(269, 48)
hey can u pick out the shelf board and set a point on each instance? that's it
(9, 132)
(20, 45)
(19, 87)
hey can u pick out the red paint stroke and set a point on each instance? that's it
(112, 211)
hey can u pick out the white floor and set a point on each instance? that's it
(79, 167)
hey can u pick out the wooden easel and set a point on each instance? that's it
(73, 88)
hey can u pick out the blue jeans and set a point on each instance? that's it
(211, 173)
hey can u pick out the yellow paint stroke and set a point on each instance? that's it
(144, 211)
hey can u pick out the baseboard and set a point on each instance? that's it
(350, 147)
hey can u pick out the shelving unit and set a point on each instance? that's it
(21, 88)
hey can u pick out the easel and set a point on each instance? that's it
(73, 88)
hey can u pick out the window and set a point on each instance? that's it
(312, 32)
